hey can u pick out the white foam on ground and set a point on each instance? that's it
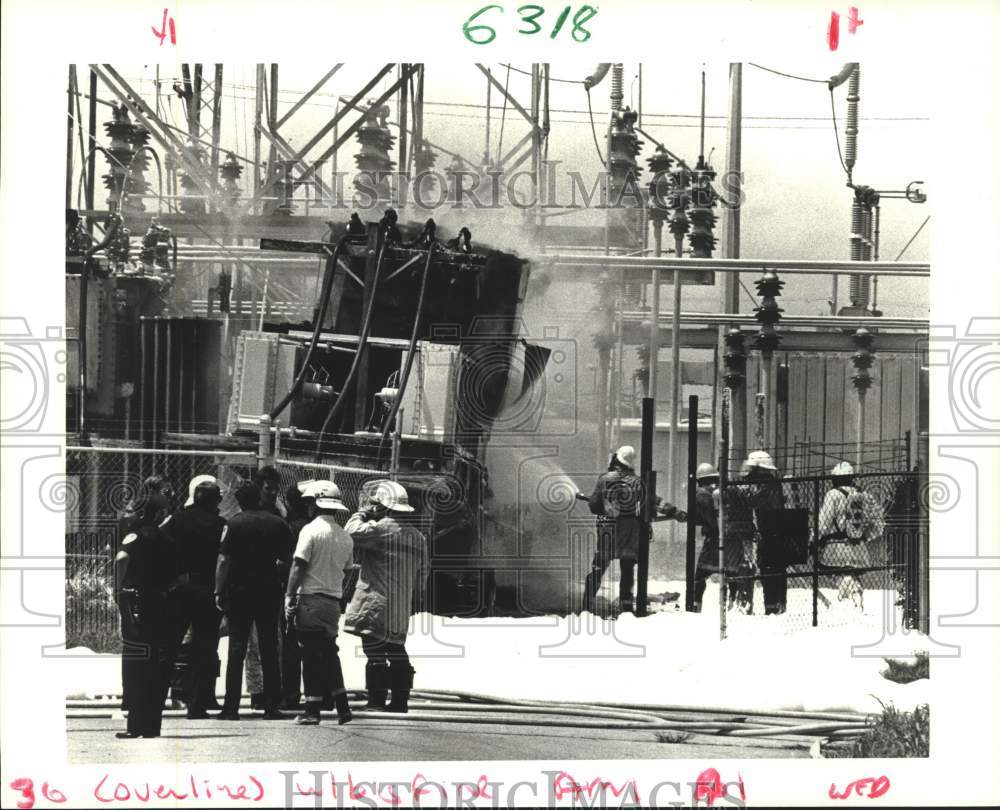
(669, 657)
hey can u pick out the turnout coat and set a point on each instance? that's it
(394, 568)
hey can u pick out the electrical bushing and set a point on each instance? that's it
(768, 314)
(623, 165)
(425, 179)
(735, 358)
(125, 170)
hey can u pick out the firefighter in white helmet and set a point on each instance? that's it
(849, 520)
(618, 501)
(706, 515)
(393, 578)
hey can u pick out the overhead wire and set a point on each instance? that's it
(836, 135)
(503, 117)
(787, 75)
(915, 235)
(593, 127)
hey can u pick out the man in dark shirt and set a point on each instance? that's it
(197, 531)
(248, 590)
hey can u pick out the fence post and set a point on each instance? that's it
(648, 478)
(815, 544)
(723, 486)
(692, 485)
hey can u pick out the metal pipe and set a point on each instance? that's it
(807, 267)
(92, 157)
(723, 486)
(734, 157)
(654, 315)
(675, 372)
(258, 115)
(648, 478)
(692, 486)
(70, 98)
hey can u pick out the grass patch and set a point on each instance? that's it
(891, 735)
(91, 612)
(674, 737)
(904, 671)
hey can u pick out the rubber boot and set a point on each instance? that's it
(344, 714)
(402, 683)
(377, 685)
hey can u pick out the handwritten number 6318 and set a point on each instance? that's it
(482, 34)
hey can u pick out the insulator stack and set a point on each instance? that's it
(865, 199)
(192, 194)
(862, 359)
(617, 86)
(374, 161)
(768, 314)
(702, 216)
(851, 139)
(735, 358)
(231, 171)
(659, 185)
(125, 138)
(424, 159)
(284, 189)
(680, 199)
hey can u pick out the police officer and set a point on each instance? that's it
(247, 587)
(145, 569)
(198, 530)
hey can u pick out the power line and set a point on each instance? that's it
(551, 79)
(787, 75)
(593, 128)
(912, 238)
(836, 134)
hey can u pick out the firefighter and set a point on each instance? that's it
(707, 499)
(247, 589)
(145, 569)
(393, 578)
(760, 492)
(323, 553)
(198, 530)
(617, 501)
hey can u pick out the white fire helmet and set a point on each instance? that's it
(842, 469)
(705, 470)
(762, 459)
(626, 455)
(390, 494)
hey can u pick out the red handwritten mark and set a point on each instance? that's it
(874, 787)
(852, 19)
(564, 784)
(833, 31)
(166, 25)
(709, 787)
(27, 790)
(53, 794)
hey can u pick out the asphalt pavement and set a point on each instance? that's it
(377, 738)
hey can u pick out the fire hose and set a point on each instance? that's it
(443, 706)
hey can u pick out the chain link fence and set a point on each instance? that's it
(817, 552)
(103, 484)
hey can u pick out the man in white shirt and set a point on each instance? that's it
(323, 553)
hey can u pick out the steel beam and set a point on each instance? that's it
(308, 95)
(503, 91)
(789, 266)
